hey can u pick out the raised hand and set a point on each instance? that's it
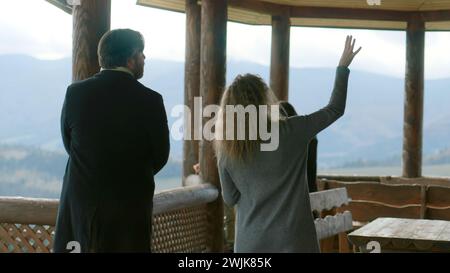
(348, 54)
(196, 168)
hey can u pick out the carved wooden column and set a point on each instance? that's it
(91, 19)
(191, 81)
(212, 85)
(279, 62)
(413, 111)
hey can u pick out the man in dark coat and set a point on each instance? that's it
(115, 132)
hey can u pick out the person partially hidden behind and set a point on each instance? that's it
(115, 132)
(288, 110)
(269, 188)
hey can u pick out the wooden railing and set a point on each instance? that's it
(179, 221)
(392, 180)
(421, 198)
(180, 215)
(388, 196)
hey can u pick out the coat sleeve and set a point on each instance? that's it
(65, 129)
(160, 142)
(321, 119)
(230, 193)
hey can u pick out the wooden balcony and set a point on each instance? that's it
(180, 221)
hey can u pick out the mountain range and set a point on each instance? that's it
(32, 93)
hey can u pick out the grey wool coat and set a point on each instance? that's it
(270, 191)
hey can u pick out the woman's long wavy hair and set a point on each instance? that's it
(245, 90)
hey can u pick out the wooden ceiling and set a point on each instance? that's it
(390, 14)
(62, 4)
(400, 5)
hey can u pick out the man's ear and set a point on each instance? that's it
(131, 63)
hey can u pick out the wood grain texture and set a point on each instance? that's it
(212, 85)
(344, 14)
(191, 83)
(91, 20)
(19, 210)
(413, 105)
(405, 234)
(279, 61)
(328, 199)
(370, 200)
(396, 195)
(366, 211)
(390, 180)
(332, 225)
(185, 197)
(28, 210)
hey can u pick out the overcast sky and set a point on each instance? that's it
(36, 28)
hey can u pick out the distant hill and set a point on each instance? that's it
(32, 93)
(32, 159)
(33, 172)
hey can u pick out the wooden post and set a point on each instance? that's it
(91, 19)
(413, 108)
(212, 85)
(279, 62)
(191, 81)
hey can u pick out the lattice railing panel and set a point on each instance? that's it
(19, 238)
(183, 230)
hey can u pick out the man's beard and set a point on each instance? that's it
(138, 73)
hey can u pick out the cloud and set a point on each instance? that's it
(47, 33)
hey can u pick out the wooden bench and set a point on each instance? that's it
(333, 221)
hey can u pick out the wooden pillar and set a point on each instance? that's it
(191, 81)
(413, 108)
(91, 19)
(279, 62)
(212, 85)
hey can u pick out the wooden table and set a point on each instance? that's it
(402, 235)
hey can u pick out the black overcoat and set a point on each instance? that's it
(115, 132)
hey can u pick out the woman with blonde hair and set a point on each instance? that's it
(269, 188)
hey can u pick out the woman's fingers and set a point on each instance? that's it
(348, 54)
(347, 42)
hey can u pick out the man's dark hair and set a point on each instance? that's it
(117, 46)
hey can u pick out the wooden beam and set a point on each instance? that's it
(348, 13)
(258, 6)
(212, 85)
(436, 15)
(61, 4)
(321, 12)
(184, 197)
(279, 62)
(392, 180)
(91, 19)
(413, 106)
(38, 211)
(19, 210)
(191, 82)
